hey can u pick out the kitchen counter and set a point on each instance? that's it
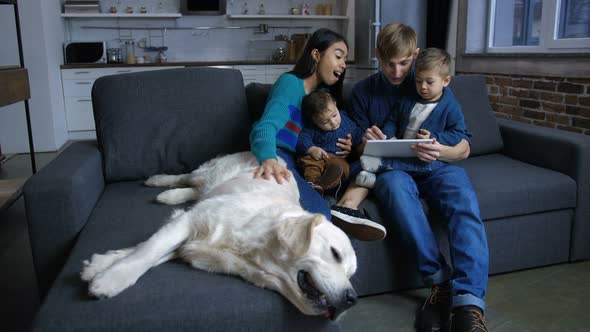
(185, 64)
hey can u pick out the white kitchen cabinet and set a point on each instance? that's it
(77, 88)
(274, 71)
(252, 73)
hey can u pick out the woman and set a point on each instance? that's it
(321, 66)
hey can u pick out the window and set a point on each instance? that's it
(537, 26)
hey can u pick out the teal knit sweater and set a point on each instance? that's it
(281, 121)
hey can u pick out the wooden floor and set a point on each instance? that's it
(10, 191)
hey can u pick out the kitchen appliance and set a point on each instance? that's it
(114, 55)
(85, 52)
(202, 7)
(371, 17)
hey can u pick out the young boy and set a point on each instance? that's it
(434, 113)
(316, 146)
(459, 288)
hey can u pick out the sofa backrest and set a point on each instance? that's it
(472, 93)
(168, 121)
(470, 90)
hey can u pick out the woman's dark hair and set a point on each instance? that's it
(321, 40)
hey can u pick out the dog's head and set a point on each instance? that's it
(315, 261)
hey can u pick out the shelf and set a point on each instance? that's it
(295, 17)
(122, 15)
(15, 85)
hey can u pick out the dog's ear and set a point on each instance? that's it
(296, 234)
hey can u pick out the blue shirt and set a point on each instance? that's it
(311, 135)
(374, 97)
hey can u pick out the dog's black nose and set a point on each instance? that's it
(349, 298)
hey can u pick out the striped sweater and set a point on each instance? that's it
(281, 121)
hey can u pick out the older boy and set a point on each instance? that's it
(462, 287)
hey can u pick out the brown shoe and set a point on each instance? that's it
(317, 188)
(436, 310)
(332, 177)
(468, 318)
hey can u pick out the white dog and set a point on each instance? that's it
(253, 228)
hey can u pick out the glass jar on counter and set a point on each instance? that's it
(130, 51)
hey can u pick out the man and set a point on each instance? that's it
(460, 288)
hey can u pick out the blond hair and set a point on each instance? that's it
(434, 58)
(396, 40)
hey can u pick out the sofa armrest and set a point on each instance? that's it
(58, 200)
(561, 151)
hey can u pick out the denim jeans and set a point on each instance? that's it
(448, 191)
(409, 165)
(310, 200)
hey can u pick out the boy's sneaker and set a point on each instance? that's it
(468, 318)
(366, 179)
(371, 164)
(356, 224)
(436, 310)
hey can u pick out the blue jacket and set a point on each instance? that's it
(311, 135)
(446, 122)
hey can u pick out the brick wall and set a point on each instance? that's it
(562, 103)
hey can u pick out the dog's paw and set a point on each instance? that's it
(100, 262)
(161, 180)
(111, 282)
(176, 196)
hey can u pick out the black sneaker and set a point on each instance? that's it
(436, 310)
(468, 319)
(356, 224)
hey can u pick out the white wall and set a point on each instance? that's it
(42, 34)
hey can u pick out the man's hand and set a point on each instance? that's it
(373, 133)
(317, 153)
(427, 152)
(272, 168)
(345, 144)
(423, 134)
(435, 151)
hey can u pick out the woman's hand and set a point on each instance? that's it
(345, 144)
(272, 168)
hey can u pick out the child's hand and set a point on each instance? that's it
(317, 153)
(423, 134)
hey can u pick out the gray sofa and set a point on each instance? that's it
(530, 181)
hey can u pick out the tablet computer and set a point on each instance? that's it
(393, 148)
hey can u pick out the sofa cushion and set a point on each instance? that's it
(472, 93)
(168, 121)
(256, 95)
(169, 297)
(507, 187)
